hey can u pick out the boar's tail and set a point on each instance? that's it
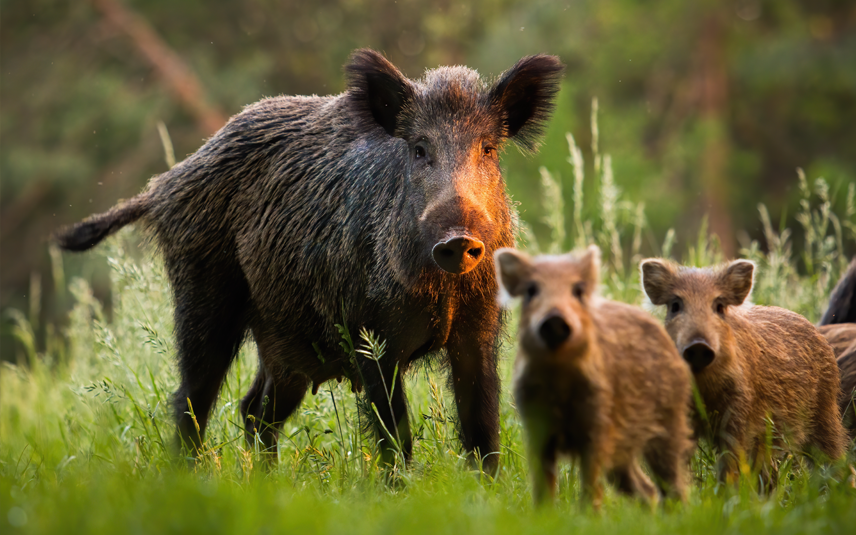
(89, 232)
(842, 302)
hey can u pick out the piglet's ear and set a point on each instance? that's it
(513, 269)
(590, 268)
(657, 277)
(525, 96)
(377, 88)
(736, 282)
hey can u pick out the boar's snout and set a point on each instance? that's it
(554, 331)
(459, 254)
(698, 354)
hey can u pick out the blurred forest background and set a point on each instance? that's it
(708, 107)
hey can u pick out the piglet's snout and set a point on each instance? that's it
(554, 331)
(698, 354)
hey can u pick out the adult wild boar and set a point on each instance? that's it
(381, 204)
(754, 365)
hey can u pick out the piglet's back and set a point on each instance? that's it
(783, 345)
(633, 338)
(791, 367)
(647, 373)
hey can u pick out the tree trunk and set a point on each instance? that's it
(712, 86)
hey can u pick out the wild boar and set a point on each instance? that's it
(842, 302)
(768, 379)
(595, 379)
(847, 397)
(838, 325)
(377, 208)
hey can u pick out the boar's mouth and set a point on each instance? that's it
(458, 254)
(698, 354)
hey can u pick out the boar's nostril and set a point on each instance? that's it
(699, 355)
(554, 331)
(459, 254)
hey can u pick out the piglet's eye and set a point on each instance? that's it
(720, 309)
(531, 291)
(419, 152)
(579, 290)
(489, 151)
(675, 306)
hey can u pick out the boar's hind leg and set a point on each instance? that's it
(210, 324)
(267, 407)
(276, 392)
(475, 381)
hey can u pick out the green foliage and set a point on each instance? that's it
(84, 111)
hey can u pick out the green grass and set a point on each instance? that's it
(86, 430)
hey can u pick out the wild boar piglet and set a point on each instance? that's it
(768, 379)
(595, 379)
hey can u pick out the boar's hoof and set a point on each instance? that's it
(458, 255)
(698, 354)
(554, 331)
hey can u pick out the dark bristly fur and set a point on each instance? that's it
(91, 231)
(838, 325)
(764, 364)
(842, 302)
(302, 209)
(595, 379)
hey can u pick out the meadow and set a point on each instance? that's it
(86, 429)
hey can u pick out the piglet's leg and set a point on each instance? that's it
(730, 439)
(631, 480)
(728, 465)
(542, 460)
(590, 470)
(472, 349)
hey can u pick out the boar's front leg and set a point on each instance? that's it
(472, 347)
(385, 392)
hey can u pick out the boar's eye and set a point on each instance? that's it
(489, 151)
(720, 308)
(420, 151)
(531, 291)
(579, 290)
(675, 306)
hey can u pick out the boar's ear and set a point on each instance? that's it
(512, 269)
(377, 88)
(657, 276)
(525, 96)
(590, 264)
(736, 282)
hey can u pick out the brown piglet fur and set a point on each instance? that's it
(768, 379)
(596, 380)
